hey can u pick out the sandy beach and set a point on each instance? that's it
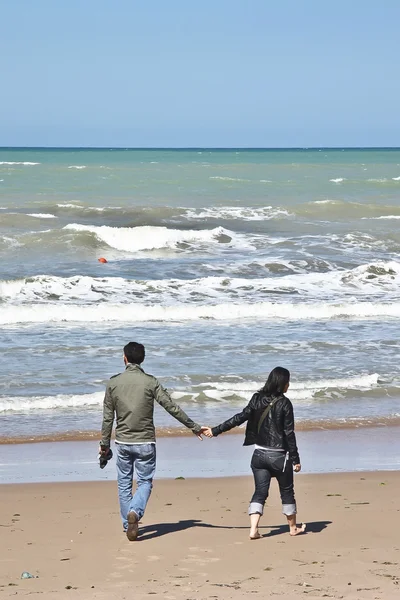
(194, 541)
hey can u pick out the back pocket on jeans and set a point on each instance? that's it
(276, 461)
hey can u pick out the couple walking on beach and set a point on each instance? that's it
(129, 399)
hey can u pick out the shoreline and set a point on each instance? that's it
(356, 450)
(193, 541)
(170, 432)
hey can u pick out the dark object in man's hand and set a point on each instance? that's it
(104, 456)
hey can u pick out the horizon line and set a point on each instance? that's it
(200, 148)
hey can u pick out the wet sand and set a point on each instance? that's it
(364, 449)
(194, 541)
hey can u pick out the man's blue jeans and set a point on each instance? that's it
(141, 459)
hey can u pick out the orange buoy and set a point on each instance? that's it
(102, 260)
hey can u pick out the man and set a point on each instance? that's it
(130, 396)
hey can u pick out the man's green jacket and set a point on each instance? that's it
(130, 398)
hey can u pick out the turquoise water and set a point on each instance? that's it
(223, 263)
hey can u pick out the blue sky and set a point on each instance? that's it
(182, 73)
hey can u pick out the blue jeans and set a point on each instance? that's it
(140, 458)
(266, 464)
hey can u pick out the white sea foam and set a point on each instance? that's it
(324, 202)
(228, 178)
(299, 390)
(219, 391)
(11, 242)
(142, 313)
(382, 217)
(68, 205)
(42, 215)
(27, 404)
(265, 181)
(95, 208)
(155, 238)
(395, 178)
(242, 213)
(28, 164)
(338, 180)
(103, 208)
(77, 167)
(372, 280)
(378, 180)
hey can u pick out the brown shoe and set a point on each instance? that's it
(133, 527)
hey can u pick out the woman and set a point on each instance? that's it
(270, 426)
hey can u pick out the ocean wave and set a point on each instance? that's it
(104, 208)
(396, 178)
(338, 180)
(382, 217)
(155, 238)
(229, 178)
(212, 391)
(299, 390)
(69, 205)
(243, 213)
(375, 278)
(340, 210)
(77, 167)
(27, 404)
(25, 163)
(142, 313)
(10, 242)
(41, 215)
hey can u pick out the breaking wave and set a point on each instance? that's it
(240, 212)
(154, 238)
(370, 280)
(229, 178)
(213, 391)
(143, 313)
(25, 163)
(41, 215)
(299, 390)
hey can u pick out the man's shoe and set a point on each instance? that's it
(133, 527)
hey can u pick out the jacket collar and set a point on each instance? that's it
(132, 367)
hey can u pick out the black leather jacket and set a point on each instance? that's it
(277, 429)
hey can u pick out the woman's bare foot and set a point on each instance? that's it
(255, 535)
(254, 521)
(297, 529)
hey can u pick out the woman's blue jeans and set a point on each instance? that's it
(266, 464)
(141, 460)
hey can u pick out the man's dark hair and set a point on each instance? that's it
(134, 353)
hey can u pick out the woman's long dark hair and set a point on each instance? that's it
(276, 382)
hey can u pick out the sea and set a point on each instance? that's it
(223, 263)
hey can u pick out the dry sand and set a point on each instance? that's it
(194, 541)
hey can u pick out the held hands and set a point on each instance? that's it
(297, 468)
(204, 431)
(207, 431)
